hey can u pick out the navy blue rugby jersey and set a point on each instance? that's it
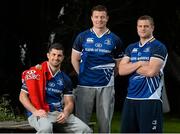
(59, 85)
(141, 87)
(98, 56)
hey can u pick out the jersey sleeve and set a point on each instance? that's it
(128, 51)
(118, 52)
(159, 51)
(67, 85)
(77, 45)
(24, 87)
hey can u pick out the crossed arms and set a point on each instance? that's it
(146, 68)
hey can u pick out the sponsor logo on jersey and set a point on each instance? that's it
(49, 89)
(147, 49)
(60, 82)
(98, 45)
(139, 53)
(31, 75)
(107, 41)
(135, 50)
(90, 40)
(51, 84)
(143, 58)
(140, 58)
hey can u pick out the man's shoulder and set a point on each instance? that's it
(64, 75)
(158, 44)
(114, 36)
(34, 71)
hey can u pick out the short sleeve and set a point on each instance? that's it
(159, 51)
(118, 52)
(77, 45)
(67, 84)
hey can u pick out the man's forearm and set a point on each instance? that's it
(128, 68)
(68, 109)
(76, 66)
(147, 71)
(24, 99)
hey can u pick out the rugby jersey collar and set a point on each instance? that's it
(149, 40)
(51, 71)
(106, 32)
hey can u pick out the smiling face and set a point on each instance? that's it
(55, 57)
(145, 29)
(99, 19)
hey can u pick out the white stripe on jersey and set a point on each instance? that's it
(106, 66)
(149, 85)
(157, 93)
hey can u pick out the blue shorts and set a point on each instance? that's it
(142, 116)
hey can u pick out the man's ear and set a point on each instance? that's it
(47, 55)
(107, 18)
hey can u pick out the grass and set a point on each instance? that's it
(171, 124)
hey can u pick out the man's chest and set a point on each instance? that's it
(98, 45)
(140, 54)
(55, 86)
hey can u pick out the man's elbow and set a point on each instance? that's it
(20, 98)
(122, 72)
(72, 60)
(22, 95)
(152, 73)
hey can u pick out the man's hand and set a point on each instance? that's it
(62, 117)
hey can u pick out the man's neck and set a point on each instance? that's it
(145, 40)
(100, 31)
(53, 69)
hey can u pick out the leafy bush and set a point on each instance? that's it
(6, 110)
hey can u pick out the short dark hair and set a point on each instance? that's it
(99, 8)
(147, 17)
(57, 46)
